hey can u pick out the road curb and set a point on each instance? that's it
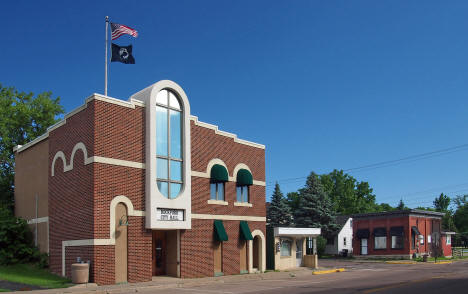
(401, 262)
(336, 270)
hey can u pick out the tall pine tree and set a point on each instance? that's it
(279, 213)
(316, 208)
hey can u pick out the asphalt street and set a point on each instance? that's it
(358, 278)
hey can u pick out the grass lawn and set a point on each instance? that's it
(32, 275)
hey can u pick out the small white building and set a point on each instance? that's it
(343, 240)
(286, 247)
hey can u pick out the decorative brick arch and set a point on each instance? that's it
(261, 253)
(59, 155)
(238, 167)
(67, 167)
(212, 163)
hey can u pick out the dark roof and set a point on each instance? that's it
(341, 220)
(399, 212)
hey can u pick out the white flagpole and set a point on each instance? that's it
(105, 77)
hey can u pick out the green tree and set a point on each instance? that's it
(316, 208)
(348, 196)
(460, 216)
(384, 207)
(23, 118)
(279, 213)
(441, 203)
(401, 205)
(292, 199)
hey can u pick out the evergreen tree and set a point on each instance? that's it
(279, 212)
(401, 205)
(316, 208)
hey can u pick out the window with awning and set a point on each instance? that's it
(245, 231)
(218, 176)
(380, 238)
(219, 173)
(415, 230)
(243, 181)
(397, 234)
(220, 232)
(363, 233)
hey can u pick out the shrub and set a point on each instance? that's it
(16, 240)
(321, 244)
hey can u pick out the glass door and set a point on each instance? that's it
(363, 246)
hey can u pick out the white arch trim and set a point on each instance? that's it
(90, 159)
(213, 162)
(111, 241)
(60, 155)
(238, 167)
(232, 177)
(261, 253)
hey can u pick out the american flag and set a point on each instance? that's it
(119, 30)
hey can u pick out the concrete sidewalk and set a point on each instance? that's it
(170, 282)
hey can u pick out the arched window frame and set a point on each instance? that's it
(170, 162)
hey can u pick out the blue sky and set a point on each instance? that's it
(323, 84)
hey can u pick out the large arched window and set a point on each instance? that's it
(169, 144)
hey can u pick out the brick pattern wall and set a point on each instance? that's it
(80, 198)
(424, 225)
(71, 193)
(196, 248)
(120, 134)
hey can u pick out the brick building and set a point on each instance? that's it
(398, 234)
(141, 188)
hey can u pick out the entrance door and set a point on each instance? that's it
(243, 258)
(159, 253)
(218, 257)
(363, 246)
(120, 249)
(298, 252)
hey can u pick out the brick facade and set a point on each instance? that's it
(80, 198)
(426, 222)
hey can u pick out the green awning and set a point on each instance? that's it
(244, 178)
(220, 232)
(245, 231)
(219, 173)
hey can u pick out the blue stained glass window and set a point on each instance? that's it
(169, 144)
(176, 132)
(176, 170)
(161, 131)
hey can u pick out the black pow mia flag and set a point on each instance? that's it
(122, 54)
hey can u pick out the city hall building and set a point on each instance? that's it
(142, 188)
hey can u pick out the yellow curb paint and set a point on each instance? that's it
(336, 270)
(400, 262)
(442, 262)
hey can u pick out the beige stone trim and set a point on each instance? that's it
(245, 204)
(223, 133)
(20, 148)
(103, 242)
(198, 174)
(92, 159)
(217, 202)
(231, 178)
(38, 220)
(259, 183)
(229, 217)
(119, 162)
(130, 104)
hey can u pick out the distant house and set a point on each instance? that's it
(343, 240)
(399, 234)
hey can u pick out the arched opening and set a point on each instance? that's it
(257, 253)
(121, 243)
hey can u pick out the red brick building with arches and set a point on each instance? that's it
(141, 188)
